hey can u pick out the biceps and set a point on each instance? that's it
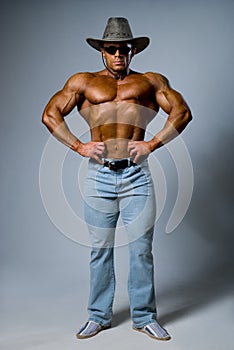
(61, 103)
(170, 99)
(163, 102)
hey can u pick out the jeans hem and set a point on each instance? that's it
(142, 325)
(100, 322)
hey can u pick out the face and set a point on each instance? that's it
(117, 55)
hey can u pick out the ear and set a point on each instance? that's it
(103, 52)
(133, 52)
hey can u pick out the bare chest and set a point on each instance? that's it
(110, 101)
(106, 89)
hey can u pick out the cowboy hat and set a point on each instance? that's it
(118, 30)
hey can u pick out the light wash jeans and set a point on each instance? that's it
(108, 194)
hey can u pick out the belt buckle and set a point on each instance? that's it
(112, 165)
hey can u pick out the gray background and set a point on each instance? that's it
(44, 275)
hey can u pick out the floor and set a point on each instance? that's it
(198, 317)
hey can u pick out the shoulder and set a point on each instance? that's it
(159, 81)
(78, 81)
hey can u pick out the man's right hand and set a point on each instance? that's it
(94, 150)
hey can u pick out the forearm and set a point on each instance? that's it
(59, 129)
(174, 125)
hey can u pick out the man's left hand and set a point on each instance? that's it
(138, 150)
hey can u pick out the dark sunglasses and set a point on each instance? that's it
(123, 50)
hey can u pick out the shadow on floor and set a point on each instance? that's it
(188, 297)
(196, 293)
(120, 316)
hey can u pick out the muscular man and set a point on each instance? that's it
(118, 104)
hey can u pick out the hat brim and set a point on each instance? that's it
(140, 43)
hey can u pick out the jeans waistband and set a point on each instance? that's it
(118, 164)
(97, 165)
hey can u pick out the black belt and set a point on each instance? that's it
(116, 165)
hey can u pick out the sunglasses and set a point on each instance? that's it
(123, 50)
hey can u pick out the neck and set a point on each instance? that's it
(120, 75)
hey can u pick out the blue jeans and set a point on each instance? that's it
(130, 193)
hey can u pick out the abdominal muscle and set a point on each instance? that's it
(116, 138)
(116, 124)
(116, 149)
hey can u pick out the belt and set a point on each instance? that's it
(116, 165)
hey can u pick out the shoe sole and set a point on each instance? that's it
(78, 336)
(141, 330)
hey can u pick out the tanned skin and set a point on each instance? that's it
(115, 110)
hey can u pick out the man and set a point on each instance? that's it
(118, 104)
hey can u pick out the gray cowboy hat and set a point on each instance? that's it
(118, 30)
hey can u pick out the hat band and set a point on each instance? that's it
(117, 35)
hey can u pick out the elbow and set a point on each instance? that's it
(184, 120)
(51, 120)
(47, 121)
(44, 119)
(187, 116)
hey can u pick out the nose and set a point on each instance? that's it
(117, 54)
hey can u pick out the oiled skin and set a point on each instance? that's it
(117, 111)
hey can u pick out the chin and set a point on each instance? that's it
(119, 69)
